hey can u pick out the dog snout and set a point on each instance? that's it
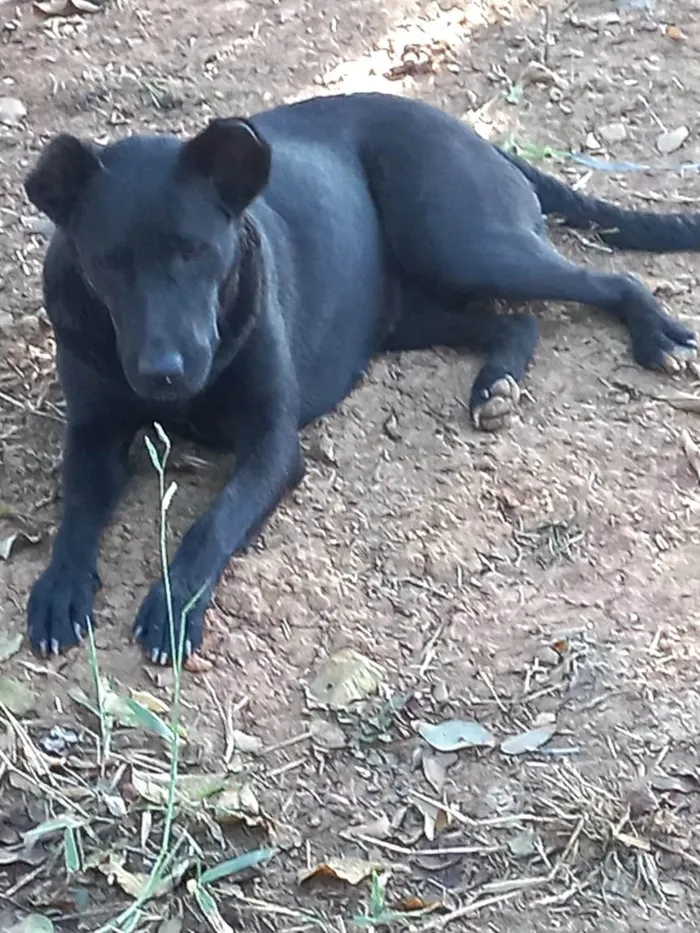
(162, 372)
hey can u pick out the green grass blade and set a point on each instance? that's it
(233, 866)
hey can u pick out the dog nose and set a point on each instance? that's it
(162, 372)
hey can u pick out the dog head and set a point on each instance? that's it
(156, 225)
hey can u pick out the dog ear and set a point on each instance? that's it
(60, 176)
(234, 156)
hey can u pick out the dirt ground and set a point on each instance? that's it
(454, 559)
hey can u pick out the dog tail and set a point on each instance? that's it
(624, 229)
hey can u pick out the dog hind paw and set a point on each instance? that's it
(500, 400)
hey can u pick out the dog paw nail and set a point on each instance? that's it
(44, 647)
(188, 649)
(77, 629)
(138, 632)
(163, 658)
(54, 646)
(155, 655)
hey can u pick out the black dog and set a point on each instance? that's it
(234, 288)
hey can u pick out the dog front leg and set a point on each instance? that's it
(95, 472)
(270, 462)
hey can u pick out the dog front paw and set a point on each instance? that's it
(60, 606)
(152, 627)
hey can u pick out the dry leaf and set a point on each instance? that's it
(134, 883)
(345, 678)
(377, 829)
(528, 741)
(34, 923)
(247, 744)
(196, 664)
(524, 844)
(435, 819)
(146, 699)
(691, 450)
(351, 870)
(67, 7)
(327, 734)
(174, 925)
(10, 643)
(689, 403)
(237, 803)
(9, 543)
(208, 906)
(16, 696)
(455, 734)
(435, 765)
(190, 789)
(411, 903)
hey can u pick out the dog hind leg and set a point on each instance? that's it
(507, 342)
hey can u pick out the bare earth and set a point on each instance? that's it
(454, 559)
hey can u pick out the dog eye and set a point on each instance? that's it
(190, 250)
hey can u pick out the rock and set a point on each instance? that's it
(592, 142)
(613, 133)
(674, 139)
(12, 111)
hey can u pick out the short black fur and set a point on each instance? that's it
(235, 287)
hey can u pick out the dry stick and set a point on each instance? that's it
(416, 853)
(302, 737)
(478, 905)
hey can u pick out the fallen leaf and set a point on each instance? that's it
(26, 855)
(435, 819)
(67, 7)
(674, 32)
(174, 925)
(672, 140)
(237, 803)
(686, 783)
(16, 696)
(455, 734)
(247, 744)
(689, 403)
(196, 664)
(150, 702)
(34, 923)
(435, 765)
(9, 543)
(351, 870)
(190, 789)
(134, 883)
(691, 450)
(377, 829)
(327, 734)
(209, 907)
(10, 644)
(528, 741)
(345, 678)
(411, 904)
(524, 844)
